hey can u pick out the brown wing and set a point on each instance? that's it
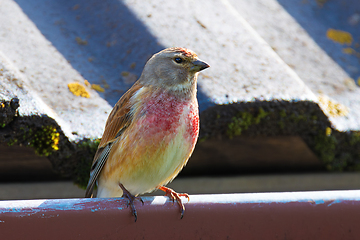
(118, 120)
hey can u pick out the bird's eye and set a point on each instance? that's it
(178, 60)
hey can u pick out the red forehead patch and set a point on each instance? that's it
(186, 52)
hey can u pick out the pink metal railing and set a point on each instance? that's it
(295, 215)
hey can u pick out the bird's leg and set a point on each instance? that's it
(131, 198)
(175, 196)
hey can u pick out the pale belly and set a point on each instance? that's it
(153, 159)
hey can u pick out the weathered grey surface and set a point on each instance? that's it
(296, 30)
(14, 85)
(244, 66)
(47, 73)
(250, 89)
(131, 35)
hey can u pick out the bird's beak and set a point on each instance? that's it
(198, 65)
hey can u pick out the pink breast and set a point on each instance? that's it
(164, 114)
(193, 123)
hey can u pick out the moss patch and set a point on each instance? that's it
(83, 165)
(325, 147)
(243, 120)
(337, 150)
(69, 159)
(43, 139)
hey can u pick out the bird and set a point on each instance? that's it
(151, 132)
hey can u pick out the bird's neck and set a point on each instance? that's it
(183, 91)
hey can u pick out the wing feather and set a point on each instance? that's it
(119, 119)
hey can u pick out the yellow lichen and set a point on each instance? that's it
(328, 131)
(45, 141)
(358, 81)
(86, 82)
(97, 88)
(351, 51)
(55, 138)
(339, 36)
(78, 90)
(348, 51)
(331, 107)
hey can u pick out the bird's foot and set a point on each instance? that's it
(131, 198)
(175, 196)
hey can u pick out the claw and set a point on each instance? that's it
(131, 198)
(175, 196)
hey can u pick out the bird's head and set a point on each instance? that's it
(173, 68)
